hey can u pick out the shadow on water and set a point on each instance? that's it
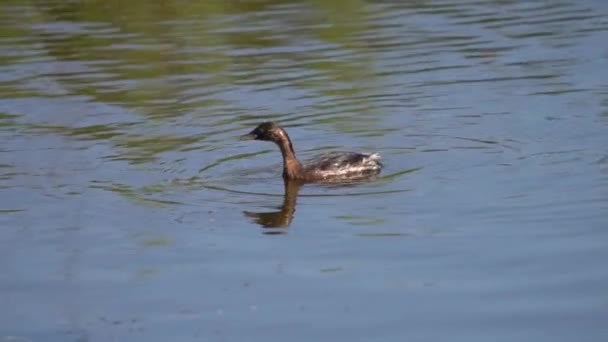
(281, 218)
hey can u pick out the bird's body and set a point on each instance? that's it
(342, 165)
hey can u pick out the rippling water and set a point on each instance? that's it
(131, 211)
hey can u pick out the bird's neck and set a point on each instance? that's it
(291, 165)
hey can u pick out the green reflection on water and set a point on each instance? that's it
(158, 242)
(93, 132)
(6, 120)
(142, 149)
(150, 56)
(10, 211)
(137, 196)
(233, 157)
(382, 234)
(176, 58)
(362, 220)
(400, 173)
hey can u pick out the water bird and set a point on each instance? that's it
(327, 167)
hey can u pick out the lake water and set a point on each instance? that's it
(130, 210)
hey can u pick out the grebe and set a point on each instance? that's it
(333, 166)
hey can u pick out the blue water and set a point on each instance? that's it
(130, 211)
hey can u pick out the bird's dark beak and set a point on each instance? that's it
(250, 136)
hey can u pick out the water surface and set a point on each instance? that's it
(131, 211)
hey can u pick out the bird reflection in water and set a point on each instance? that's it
(275, 222)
